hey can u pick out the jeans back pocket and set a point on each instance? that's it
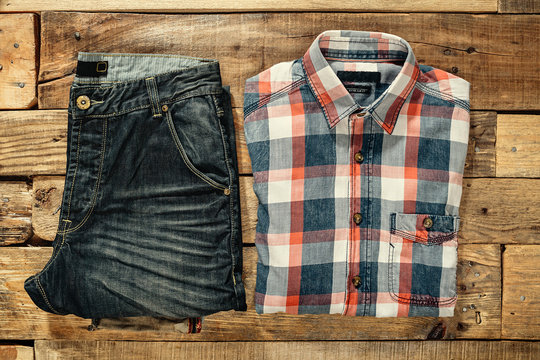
(423, 259)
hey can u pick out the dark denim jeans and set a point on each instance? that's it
(150, 216)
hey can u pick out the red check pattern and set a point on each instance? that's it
(353, 146)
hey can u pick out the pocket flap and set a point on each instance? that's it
(425, 228)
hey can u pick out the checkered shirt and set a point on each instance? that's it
(357, 154)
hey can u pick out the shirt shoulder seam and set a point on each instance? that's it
(444, 96)
(250, 108)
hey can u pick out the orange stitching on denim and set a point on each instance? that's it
(186, 160)
(76, 168)
(96, 187)
(42, 291)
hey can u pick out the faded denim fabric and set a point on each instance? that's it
(150, 215)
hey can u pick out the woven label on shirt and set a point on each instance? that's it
(359, 89)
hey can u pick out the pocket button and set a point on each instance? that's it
(428, 223)
(83, 102)
(356, 281)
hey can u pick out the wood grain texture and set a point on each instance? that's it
(324, 350)
(21, 319)
(500, 211)
(15, 212)
(253, 5)
(484, 218)
(518, 145)
(18, 72)
(16, 352)
(33, 142)
(477, 48)
(480, 161)
(521, 299)
(47, 197)
(519, 6)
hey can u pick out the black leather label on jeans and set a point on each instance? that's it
(92, 68)
(359, 76)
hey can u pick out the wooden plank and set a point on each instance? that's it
(500, 211)
(521, 296)
(477, 48)
(519, 6)
(373, 350)
(257, 5)
(478, 284)
(484, 218)
(16, 352)
(480, 161)
(18, 72)
(47, 197)
(518, 145)
(15, 214)
(33, 142)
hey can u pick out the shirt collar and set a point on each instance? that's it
(332, 95)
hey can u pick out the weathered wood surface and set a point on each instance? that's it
(34, 143)
(18, 72)
(47, 197)
(485, 218)
(519, 6)
(16, 352)
(253, 5)
(518, 145)
(501, 211)
(480, 161)
(324, 350)
(477, 48)
(521, 297)
(478, 283)
(15, 212)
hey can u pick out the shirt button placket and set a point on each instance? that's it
(357, 218)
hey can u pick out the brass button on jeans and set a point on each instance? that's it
(83, 102)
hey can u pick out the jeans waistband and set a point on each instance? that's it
(134, 81)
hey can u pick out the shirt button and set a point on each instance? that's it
(428, 223)
(357, 218)
(356, 281)
(358, 157)
(83, 102)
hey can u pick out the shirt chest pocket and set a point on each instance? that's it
(422, 259)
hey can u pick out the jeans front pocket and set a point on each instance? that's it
(423, 258)
(200, 138)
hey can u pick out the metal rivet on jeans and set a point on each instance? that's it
(227, 191)
(164, 108)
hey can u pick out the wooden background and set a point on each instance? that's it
(493, 44)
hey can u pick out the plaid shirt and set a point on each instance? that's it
(357, 154)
